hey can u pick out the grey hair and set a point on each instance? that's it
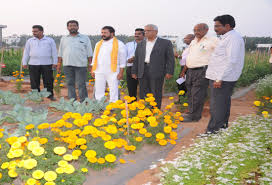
(203, 25)
(152, 26)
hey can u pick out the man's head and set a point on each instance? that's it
(72, 26)
(200, 30)
(188, 39)
(139, 34)
(37, 31)
(107, 32)
(151, 31)
(223, 24)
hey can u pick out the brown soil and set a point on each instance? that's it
(239, 107)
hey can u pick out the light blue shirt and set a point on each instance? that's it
(40, 51)
(75, 50)
(227, 60)
(131, 47)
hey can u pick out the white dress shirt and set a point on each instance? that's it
(270, 60)
(104, 57)
(227, 61)
(131, 47)
(40, 51)
(184, 55)
(149, 48)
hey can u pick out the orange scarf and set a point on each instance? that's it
(114, 54)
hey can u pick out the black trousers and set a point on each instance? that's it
(36, 71)
(151, 85)
(131, 83)
(220, 103)
(197, 86)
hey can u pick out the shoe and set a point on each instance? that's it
(188, 118)
(52, 98)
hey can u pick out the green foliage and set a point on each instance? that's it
(264, 87)
(171, 84)
(36, 96)
(256, 67)
(87, 106)
(9, 98)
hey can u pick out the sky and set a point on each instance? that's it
(173, 17)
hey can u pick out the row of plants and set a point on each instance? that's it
(263, 101)
(63, 151)
(241, 154)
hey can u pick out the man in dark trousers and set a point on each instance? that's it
(224, 69)
(131, 47)
(40, 53)
(154, 61)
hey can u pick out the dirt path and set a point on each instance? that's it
(239, 107)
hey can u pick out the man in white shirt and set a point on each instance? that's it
(197, 60)
(108, 64)
(224, 69)
(187, 40)
(131, 47)
(40, 54)
(75, 52)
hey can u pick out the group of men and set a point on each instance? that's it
(149, 60)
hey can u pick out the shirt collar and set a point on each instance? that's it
(78, 35)
(153, 41)
(43, 38)
(226, 34)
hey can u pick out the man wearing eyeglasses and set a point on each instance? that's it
(154, 61)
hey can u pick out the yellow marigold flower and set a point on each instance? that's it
(181, 92)
(160, 136)
(15, 145)
(171, 98)
(12, 173)
(173, 135)
(69, 169)
(50, 176)
(101, 160)
(44, 126)
(60, 150)
(90, 153)
(148, 134)
(138, 139)
(31, 181)
(38, 174)
(264, 112)
(83, 147)
(173, 142)
(1, 175)
(43, 140)
(68, 157)
(76, 153)
(142, 131)
(257, 103)
(62, 163)
(85, 170)
(57, 75)
(81, 141)
(60, 170)
(30, 126)
(122, 161)
(185, 104)
(154, 124)
(92, 159)
(149, 95)
(49, 183)
(29, 164)
(5, 165)
(163, 142)
(110, 158)
(38, 151)
(167, 129)
(61, 85)
(109, 145)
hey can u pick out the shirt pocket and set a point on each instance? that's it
(80, 45)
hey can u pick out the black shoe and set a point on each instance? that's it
(188, 118)
(52, 98)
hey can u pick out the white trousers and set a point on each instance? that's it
(100, 85)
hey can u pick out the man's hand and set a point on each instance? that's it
(134, 76)
(217, 84)
(93, 74)
(168, 76)
(90, 69)
(131, 60)
(182, 74)
(25, 66)
(120, 76)
(59, 67)
(54, 66)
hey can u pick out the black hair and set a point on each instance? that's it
(225, 19)
(110, 28)
(141, 30)
(72, 21)
(39, 27)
